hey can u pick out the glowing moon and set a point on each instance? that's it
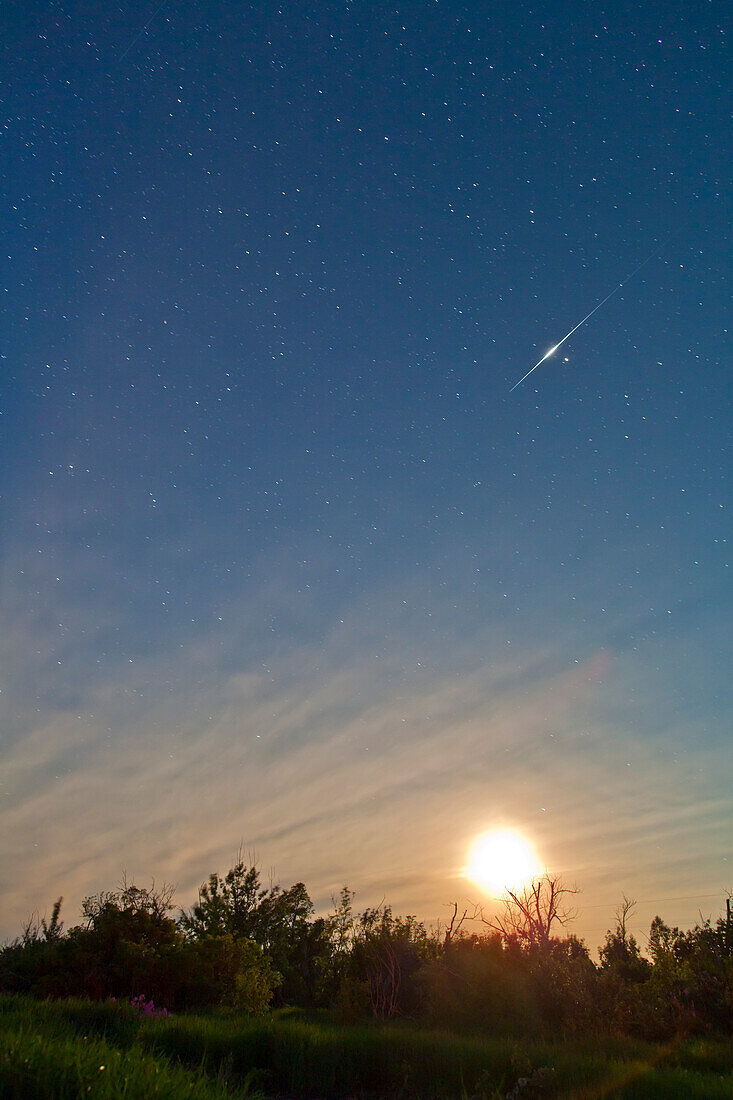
(502, 860)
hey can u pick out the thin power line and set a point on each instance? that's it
(655, 901)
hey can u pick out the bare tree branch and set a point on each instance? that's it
(454, 925)
(529, 915)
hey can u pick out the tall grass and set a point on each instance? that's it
(63, 1044)
(300, 1059)
(41, 1059)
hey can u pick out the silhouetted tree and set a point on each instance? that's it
(227, 905)
(278, 920)
(529, 914)
(246, 946)
(692, 975)
(387, 952)
(620, 954)
(623, 972)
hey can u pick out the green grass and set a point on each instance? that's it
(44, 1057)
(56, 1050)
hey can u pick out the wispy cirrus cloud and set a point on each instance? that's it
(363, 739)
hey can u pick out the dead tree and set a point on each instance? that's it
(529, 915)
(384, 978)
(454, 926)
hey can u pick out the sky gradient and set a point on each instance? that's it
(285, 564)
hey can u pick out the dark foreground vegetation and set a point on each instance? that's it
(249, 992)
(59, 1050)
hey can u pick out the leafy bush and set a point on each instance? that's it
(246, 948)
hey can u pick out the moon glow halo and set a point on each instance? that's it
(501, 860)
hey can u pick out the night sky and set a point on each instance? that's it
(285, 564)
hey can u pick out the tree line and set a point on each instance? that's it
(248, 947)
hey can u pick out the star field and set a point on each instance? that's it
(282, 553)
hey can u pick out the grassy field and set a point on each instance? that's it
(72, 1049)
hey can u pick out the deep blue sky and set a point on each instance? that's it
(284, 561)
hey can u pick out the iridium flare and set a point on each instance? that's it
(552, 350)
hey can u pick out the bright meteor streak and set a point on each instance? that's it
(587, 317)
